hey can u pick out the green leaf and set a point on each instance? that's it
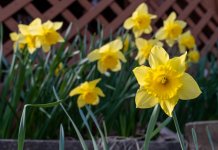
(88, 128)
(151, 126)
(84, 146)
(105, 145)
(180, 136)
(210, 138)
(195, 139)
(61, 139)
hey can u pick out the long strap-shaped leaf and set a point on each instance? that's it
(72, 122)
(61, 139)
(88, 128)
(105, 145)
(22, 127)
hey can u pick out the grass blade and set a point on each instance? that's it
(195, 139)
(162, 125)
(181, 139)
(84, 146)
(88, 128)
(151, 125)
(210, 138)
(61, 139)
(22, 129)
(105, 146)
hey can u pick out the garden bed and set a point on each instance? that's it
(114, 144)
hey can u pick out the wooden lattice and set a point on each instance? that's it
(110, 14)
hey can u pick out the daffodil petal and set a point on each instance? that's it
(76, 91)
(171, 17)
(137, 32)
(57, 25)
(158, 56)
(46, 48)
(141, 60)
(96, 101)
(99, 92)
(94, 55)
(139, 73)
(189, 89)
(118, 67)
(128, 24)
(94, 82)
(160, 34)
(148, 30)
(142, 8)
(23, 29)
(182, 23)
(144, 100)
(36, 22)
(81, 102)
(48, 24)
(178, 63)
(182, 49)
(140, 43)
(14, 36)
(121, 56)
(170, 42)
(168, 105)
(101, 68)
(116, 44)
(31, 50)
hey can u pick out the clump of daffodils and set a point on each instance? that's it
(36, 35)
(88, 93)
(165, 81)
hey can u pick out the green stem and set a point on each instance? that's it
(181, 139)
(151, 126)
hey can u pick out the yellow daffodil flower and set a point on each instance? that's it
(193, 56)
(30, 32)
(109, 56)
(186, 41)
(88, 93)
(50, 36)
(171, 30)
(144, 48)
(126, 43)
(140, 21)
(59, 69)
(164, 82)
(18, 40)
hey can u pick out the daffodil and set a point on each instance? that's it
(29, 33)
(49, 35)
(140, 21)
(88, 93)
(37, 34)
(126, 43)
(164, 82)
(193, 56)
(186, 41)
(109, 56)
(171, 30)
(18, 40)
(144, 48)
(59, 69)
